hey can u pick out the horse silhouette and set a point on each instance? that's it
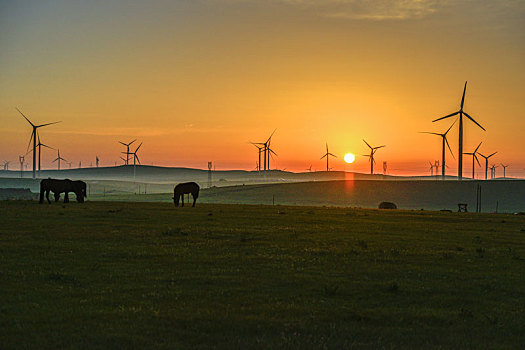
(181, 189)
(65, 186)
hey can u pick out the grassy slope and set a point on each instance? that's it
(505, 196)
(106, 275)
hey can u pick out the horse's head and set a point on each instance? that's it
(176, 200)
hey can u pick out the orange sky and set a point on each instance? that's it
(196, 80)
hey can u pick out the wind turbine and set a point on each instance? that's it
(97, 160)
(33, 138)
(6, 164)
(371, 155)
(474, 157)
(493, 171)
(127, 149)
(444, 141)
(327, 155)
(260, 147)
(461, 112)
(135, 159)
(39, 145)
(504, 168)
(310, 168)
(431, 168)
(267, 151)
(59, 158)
(487, 162)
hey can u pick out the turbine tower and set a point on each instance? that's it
(327, 155)
(444, 141)
(6, 165)
(487, 162)
(39, 145)
(33, 138)
(461, 112)
(474, 157)
(127, 149)
(371, 155)
(97, 160)
(59, 158)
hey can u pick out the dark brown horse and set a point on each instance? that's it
(181, 189)
(65, 186)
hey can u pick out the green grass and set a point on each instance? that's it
(143, 275)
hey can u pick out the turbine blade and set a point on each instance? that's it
(324, 156)
(131, 142)
(450, 149)
(333, 155)
(39, 126)
(138, 147)
(492, 154)
(122, 143)
(375, 148)
(428, 132)
(469, 117)
(446, 132)
(137, 157)
(478, 147)
(46, 146)
(33, 125)
(476, 158)
(447, 116)
(30, 139)
(367, 144)
(463, 98)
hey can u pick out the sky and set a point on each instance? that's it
(196, 81)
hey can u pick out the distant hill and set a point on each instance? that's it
(171, 175)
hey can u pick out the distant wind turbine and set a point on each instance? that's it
(371, 155)
(460, 112)
(474, 157)
(33, 138)
(59, 158)
(127, 149)
(504, 168)
(327, 155)
(6, 164)
(444, 141)
(487, 162)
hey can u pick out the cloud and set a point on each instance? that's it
(369, 9)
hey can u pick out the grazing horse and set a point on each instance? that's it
(59, 186)
(181, 189)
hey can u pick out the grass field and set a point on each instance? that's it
(143, 275)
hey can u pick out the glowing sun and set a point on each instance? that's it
(349, 158)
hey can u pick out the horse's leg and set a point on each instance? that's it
(66, 197)
(194, 199)
(57, 196)
(47, 196)
(41, 195)
(182, 195)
